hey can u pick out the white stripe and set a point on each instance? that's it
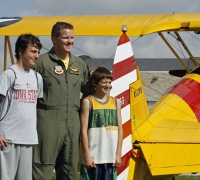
(126, 147)
(3, 20)
(125, 114)
(122, 84)
(123, 175)
(124, 51)
(127, 144)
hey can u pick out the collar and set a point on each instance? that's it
(54, 56)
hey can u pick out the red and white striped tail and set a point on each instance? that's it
(124, 73)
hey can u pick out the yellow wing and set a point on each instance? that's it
(106, 25)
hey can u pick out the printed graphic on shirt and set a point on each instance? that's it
(25, 96)
(103, 118)
(111, 128)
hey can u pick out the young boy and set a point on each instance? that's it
(101, 129)
(20, 87)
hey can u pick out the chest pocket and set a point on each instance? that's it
(52, 88)
(50, 75)
(75, 75)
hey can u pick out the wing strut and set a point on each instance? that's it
(7, 42)
(186, 48)
(171, 48)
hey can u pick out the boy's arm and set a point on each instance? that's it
(4, 86)
(84, 117)
(120, 135)
(3, 142)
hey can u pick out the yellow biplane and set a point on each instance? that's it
(165, 141)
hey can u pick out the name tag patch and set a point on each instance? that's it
(73, 70)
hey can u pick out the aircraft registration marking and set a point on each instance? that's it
(138, 91)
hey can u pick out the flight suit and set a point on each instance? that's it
(58, 123)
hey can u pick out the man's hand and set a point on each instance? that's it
(3, 143)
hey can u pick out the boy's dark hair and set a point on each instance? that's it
(58, 26)
(101, 73)
(23, 41)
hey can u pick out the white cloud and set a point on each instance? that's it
(97, 47)
(31, 13)
(91, 7)
(149, 46)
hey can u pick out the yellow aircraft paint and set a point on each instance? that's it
(106, 25)
(165, 158)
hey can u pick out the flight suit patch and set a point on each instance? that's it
(58, 70)
(73, 70)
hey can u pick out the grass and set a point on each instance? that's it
(177, 178)
(54, 176)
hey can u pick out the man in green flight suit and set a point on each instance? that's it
(58, 125)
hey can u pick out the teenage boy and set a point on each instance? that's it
(101, 129)
(20, 87)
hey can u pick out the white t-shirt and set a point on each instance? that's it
(19, 124)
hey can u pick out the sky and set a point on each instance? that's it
(150, 46)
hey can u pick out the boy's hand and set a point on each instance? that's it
(118, 161)
(89, 163)
(3, 143)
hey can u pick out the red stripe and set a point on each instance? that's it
(126, 129)
(189, 91)
(124, 98)
(123, 67)
(123, 63)
(123, 39)
(137, 155)
(125, 162)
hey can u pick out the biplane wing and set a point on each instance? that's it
(105, 25)
(100, 25)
